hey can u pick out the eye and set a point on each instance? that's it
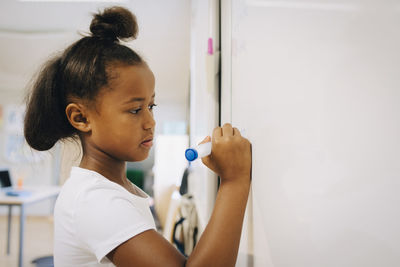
(151, 107)
(135, 111)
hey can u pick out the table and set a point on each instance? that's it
(37, 193)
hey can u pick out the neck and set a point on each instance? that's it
(112, 169)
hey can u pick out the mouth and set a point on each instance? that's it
(148, 142)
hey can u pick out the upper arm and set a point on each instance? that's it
(148, 249)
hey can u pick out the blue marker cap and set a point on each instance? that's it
(191, 154)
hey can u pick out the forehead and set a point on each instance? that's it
(128, 81)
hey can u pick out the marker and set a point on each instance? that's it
(202, 150)
(199, 151)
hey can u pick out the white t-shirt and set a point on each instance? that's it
(93, 216)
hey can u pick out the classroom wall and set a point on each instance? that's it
(315, 85)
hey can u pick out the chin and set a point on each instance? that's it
(138, 157)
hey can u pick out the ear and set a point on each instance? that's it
(77, 116)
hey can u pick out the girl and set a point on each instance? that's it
(103, 93)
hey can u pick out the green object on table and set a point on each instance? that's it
(136, 176)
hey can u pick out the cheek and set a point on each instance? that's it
(121, 137)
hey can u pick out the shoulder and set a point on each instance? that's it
(86, 185)
(105, 214)
(104, 203)
(87, 196)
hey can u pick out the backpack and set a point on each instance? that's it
(185, 231)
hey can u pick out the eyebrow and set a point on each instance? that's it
(138, 99)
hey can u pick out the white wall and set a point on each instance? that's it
(316, 86)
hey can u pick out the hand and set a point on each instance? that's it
(230, 154)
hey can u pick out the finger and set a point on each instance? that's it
(236, 132)
(205, 140)
(227, 129)
(217, 132)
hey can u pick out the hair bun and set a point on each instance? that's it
(113, 23)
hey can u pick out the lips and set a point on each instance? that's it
(148, 142)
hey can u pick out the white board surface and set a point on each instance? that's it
(316, 85)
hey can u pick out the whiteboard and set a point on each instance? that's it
(316, 85)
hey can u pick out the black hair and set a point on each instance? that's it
(79, 72)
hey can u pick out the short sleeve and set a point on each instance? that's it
(108, 217)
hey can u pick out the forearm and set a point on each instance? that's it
(219, 243)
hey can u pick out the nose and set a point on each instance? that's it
(149, 122)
